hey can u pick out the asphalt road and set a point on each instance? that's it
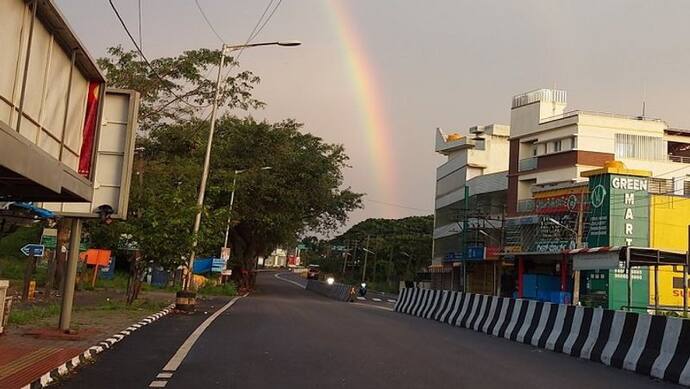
(283, 336)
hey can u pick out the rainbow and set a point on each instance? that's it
(377, 132)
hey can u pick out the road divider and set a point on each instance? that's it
(658, 346)
(340, 292)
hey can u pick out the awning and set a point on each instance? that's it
(600, 258)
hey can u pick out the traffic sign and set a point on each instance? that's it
(33, 249)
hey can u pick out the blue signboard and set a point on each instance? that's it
(475, 253)
(32, 249)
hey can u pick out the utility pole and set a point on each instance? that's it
(685, 277)
(207, 157)
(390, 267)
(366, 255)
(204, 175)
(70, 275)
(578, 244)
(465, 209)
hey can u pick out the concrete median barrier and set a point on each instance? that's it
(340, 292)
(653, 345)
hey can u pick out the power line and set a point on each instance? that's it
(141, 53)
(396, 205)
(258, 27)
(208, 22)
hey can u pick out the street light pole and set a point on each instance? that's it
(232, 201)
(207, 157)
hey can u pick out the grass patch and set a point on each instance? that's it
(209, 289)
(21, 316)
(119, 305)
(12, 269)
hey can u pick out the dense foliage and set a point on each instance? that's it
(398, 249)
(301, 192)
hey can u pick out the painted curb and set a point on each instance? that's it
(652, 345)
(88, 354)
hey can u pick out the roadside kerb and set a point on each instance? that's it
(654, 345)
(88, 354)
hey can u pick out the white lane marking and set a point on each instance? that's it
(377, 299)
(373, 306)
(158, 384)
(277, 275)
(164, 375)
(392, 301)
(182, 352)
(361, 298)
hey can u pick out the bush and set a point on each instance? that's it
(209, 289)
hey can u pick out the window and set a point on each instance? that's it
(640, 147)
(557, 145)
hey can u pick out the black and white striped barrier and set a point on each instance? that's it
(658, 346)
(339, 292)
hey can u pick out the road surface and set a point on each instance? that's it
(283, 336)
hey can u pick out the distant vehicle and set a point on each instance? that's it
(313, 272)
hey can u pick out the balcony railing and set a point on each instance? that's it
(527, 164)
(678, 158)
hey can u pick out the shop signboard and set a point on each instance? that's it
(619, 216)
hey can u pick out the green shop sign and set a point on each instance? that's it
(619, 211)
(619, 216)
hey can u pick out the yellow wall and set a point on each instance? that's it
(668, 230)
(669, 217)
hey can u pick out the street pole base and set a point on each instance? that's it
(185, 301)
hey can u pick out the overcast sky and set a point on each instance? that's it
(437, 63)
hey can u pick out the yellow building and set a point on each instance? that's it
(669, 217)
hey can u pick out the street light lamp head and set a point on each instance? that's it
(289, 43)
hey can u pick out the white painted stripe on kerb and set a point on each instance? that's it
(392, 301)
(361, 298)
(377, 299)
(594, 329)
(532, 305)
(557, 328)
(638, 342)
(492, 312)
(543, 319)
(513, 319)
(614, 337)
(574, 330)
(668, 347)
(501, 316)
(182, 352)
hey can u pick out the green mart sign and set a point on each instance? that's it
(619, 211)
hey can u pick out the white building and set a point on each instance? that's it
(477, 166)
(551, 147)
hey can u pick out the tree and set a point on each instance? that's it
(180, 88)
(301, 193)
(403, 243)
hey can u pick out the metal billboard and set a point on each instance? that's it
(113, 158)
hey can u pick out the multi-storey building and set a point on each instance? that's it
(470, 197)
(551, 147)
(547, 200)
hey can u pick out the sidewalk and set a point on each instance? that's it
(24, 359)
(29, 351)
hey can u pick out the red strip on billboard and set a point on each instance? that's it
(89, 132)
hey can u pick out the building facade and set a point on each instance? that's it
(562, 166)
(470, 196)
